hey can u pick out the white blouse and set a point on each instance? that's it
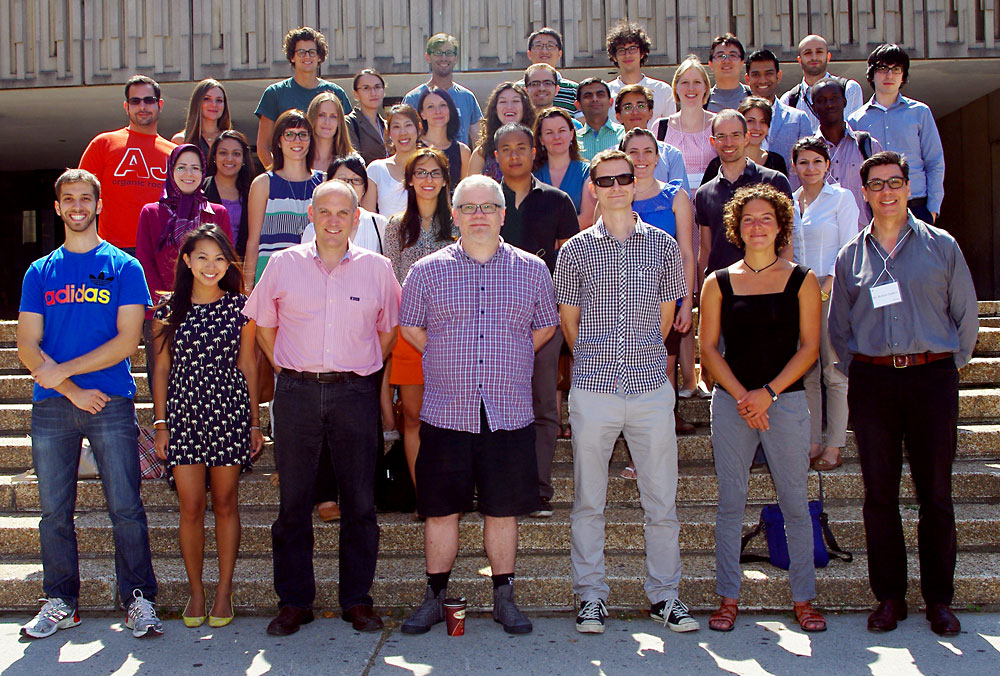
(826, 225)
(391, 193)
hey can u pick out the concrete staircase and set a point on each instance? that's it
(543, 567)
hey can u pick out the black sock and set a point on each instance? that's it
(501, 580)
(438, 581)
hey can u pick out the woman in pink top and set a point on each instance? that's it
(690, 128)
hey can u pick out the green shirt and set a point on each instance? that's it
(592, 142)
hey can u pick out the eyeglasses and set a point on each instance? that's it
(877, 184)
(535, 84)
(290, 135)
(895, 70)
(641, 107)
(306, 52)
(366, 88)
(631, 49)
(487, 208)
(357, 180)
(608, 181)
(448, 53)
(423, 173)
(723, 56)
(545, 46)
(139, 100)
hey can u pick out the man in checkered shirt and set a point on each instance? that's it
(478, 310)
(616, 285)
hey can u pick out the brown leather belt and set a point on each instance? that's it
(328, 377)
(901, 361)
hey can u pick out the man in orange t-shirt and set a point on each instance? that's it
(131, 163)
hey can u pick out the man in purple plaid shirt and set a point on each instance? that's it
(478, 310)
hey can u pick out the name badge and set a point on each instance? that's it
(886, 294)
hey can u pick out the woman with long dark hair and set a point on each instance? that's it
(440, 119)
(423, 228)
(163, 226)
(508, 103)
(279, 199)
(205, 407)
(230, 173)
(207, 115)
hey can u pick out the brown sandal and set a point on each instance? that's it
(809, 618)
(724, 619)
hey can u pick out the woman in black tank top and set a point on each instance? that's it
(766, 310)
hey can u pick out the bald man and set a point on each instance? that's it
(814, 58)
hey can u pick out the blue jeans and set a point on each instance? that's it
(345, 416)
(57, 430)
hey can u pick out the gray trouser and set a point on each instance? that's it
(786, 446)
(647, 421)
(836, 392)
(545, 404)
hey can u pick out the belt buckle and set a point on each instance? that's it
(899, 361)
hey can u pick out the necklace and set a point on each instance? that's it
(291, 187)
(757, 272)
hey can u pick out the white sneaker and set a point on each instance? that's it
(55, 614)
(674, 615)
(590, 619)
(141, 617)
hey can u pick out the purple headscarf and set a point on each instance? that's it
(184, 210)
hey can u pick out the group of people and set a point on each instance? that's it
(454, 257)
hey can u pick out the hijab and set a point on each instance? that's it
(183, 210)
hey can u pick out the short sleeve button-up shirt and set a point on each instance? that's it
(619, 287)
(479, 319)
(327, 320)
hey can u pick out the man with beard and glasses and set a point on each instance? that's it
(442, 54)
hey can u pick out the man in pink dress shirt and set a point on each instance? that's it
(327, 315)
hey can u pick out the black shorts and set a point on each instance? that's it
(673, 342)
(500, 467)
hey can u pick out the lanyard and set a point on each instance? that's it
(885, 259)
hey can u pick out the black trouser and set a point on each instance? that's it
(344, 414)
(917, 405)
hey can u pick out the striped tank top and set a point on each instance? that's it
(285, 216)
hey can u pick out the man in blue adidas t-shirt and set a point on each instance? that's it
(81, 316)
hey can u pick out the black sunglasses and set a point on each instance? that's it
(608, 181)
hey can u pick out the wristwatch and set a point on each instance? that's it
(774, 397)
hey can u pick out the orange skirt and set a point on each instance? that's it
(406, 366)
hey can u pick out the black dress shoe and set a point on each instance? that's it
(363, 618)
(888, 613)
(289, 620)
(943, 621)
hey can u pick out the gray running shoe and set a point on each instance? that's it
(430, 612)
(141, 617)
(55, 614)
(506, 612)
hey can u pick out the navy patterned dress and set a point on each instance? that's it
(208, 403)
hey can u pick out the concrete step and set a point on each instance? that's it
(972, 480)
(977, 525)
(992, 322)
(989, 340)
(543, 582)
(975, 440)
(9, 361)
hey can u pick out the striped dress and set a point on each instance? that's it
(285, 216)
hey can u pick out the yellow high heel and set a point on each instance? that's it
(191, 622)
(217, 622)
